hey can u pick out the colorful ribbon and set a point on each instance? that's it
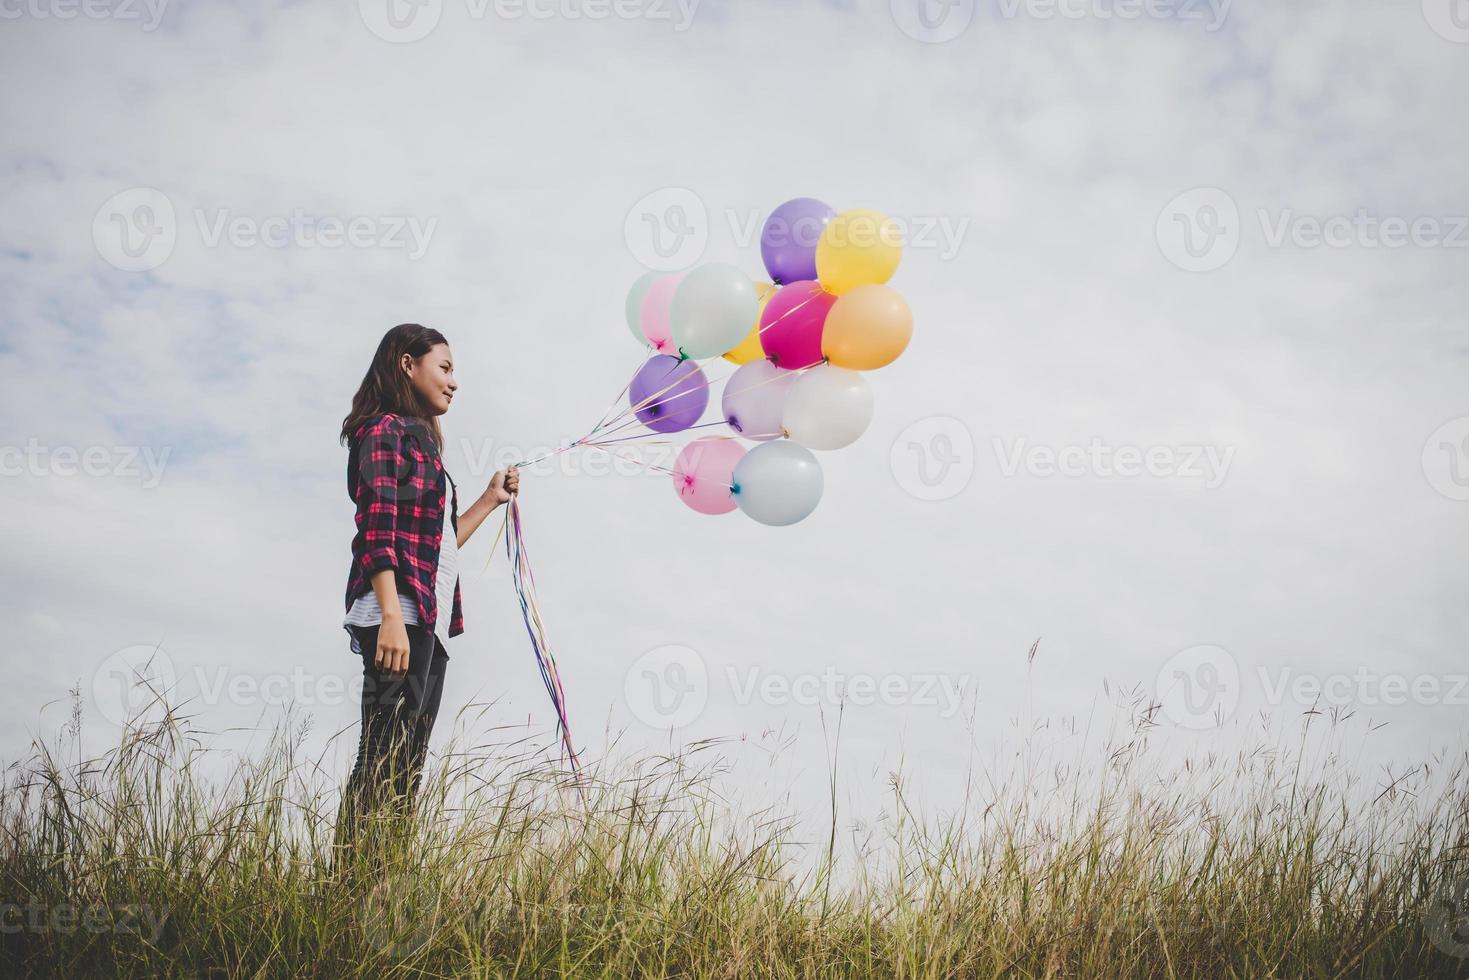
(525, 590)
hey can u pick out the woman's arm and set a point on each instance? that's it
(502, 485)
(381, 461)
(392, 635)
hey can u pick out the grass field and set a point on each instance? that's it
(1257, 864)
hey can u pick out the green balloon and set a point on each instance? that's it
(713, 310)
(633, 308)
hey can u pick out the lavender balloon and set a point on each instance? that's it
(754, 399)
(668, 394)
(788, 240)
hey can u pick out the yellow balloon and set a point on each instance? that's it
(857, 248)
(749, 349)
(867, 328)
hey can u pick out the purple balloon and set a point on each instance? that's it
(788, 240)
(674, 390)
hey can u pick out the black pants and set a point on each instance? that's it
(398, 713)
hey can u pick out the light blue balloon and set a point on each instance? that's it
(778, 483)
(713, 310)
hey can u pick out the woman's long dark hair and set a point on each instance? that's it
(386, 388)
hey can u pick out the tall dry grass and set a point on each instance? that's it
(1273, 862)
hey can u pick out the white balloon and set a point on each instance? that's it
(713, 310)
(778, 483)
(754, 400)
(828, 407)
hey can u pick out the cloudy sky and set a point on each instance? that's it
(1185, 399)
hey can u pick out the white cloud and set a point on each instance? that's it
(1059, 319)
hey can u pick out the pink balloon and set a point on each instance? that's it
(704, 473)
(657, 316)
(790, 327)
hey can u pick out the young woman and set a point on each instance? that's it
(403, 603)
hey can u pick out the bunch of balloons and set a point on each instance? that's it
(801, 340)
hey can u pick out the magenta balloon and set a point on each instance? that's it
(668, 394)
(704, 474)
(790, 327)
(657, 313)
(788, 240)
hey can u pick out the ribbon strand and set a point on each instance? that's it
(525, 590)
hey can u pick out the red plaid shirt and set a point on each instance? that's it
(396, 478)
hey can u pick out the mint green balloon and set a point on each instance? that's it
(633, 308)
(713, 310)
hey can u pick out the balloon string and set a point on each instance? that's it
(663, 469)
(525, 590)
(602, 420)
(643, 463)
(532, 462)
(809, 299)
(648, 435)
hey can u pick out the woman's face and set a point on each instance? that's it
(432, 376)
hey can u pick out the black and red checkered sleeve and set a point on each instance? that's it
(382, 461)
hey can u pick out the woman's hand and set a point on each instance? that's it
(392, 645)
(504, 485)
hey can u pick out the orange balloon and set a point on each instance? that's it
(749, 349)
(867, 328)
